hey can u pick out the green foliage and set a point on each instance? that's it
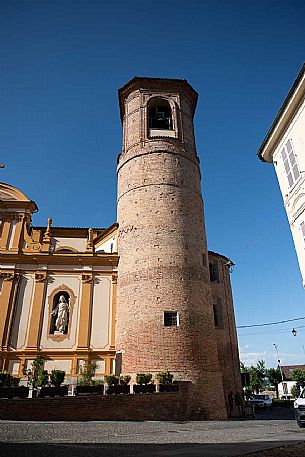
(112, 380)
(87, 372)
(284, 403)
(57, 377)
(41, 378)
(257, 375)
(125, 379)
(295, 391)
(275, 377)
(7, 380)
(164, 377)
(298, 375)
(38, 363)
(143, 378)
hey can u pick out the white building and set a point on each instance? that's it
(284, 146)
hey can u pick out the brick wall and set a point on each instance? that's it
(159, 406)
(227, 343)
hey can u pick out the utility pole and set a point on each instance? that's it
(279, 362)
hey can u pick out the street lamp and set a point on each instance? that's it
(279, 362)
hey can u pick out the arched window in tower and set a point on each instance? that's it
(160, 115)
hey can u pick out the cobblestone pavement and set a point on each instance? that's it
(150, 439)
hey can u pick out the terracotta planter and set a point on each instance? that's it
(61, 391)
(89, 390)
(144, 388)
(14, 392)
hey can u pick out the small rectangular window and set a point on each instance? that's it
(218, 319)
(290, 163)
(216, 323)
(171, 319)
(214, 273)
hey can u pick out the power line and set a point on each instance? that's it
(271, 332)
(271, 323)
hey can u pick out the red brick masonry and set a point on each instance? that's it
(158, 406)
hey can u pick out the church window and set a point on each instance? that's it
(214, 273)
(160, 115)
(217, 311)
(171, 319)
(215, 316)
(290, 163)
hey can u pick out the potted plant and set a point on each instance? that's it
(86, 384)
(118, 385)
(144, 384)
(165, 379)
(55, 390)
(9, 387)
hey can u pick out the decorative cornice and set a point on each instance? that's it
(40, 276)
(89, 246)
(47, 234)
(7, 276)
(86, 278)
(114, 278)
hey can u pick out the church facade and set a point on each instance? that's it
(167, 304)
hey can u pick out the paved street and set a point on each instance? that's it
(109, 439)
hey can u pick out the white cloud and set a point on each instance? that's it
(251, 358)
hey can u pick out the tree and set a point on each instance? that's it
(295, 391)
(275, 377)
(40, 376)
(298, 375)
(257, 375)
(87, 372)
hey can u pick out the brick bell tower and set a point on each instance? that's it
(164, 303)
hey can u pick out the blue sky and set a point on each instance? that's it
(60, 132)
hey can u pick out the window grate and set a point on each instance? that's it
(171, 319)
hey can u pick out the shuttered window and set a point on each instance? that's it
(290, 163)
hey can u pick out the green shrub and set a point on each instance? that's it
(7, 380)
(295, 391)
(41, 378)
(57, 377)
(125, 379)
(143, 378)
(86, 374)
(112, 380)
(15, 382)
(164, 377)
(284, 403)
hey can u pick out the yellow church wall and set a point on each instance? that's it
(23, 306)
(79, 244)
(101, 313)
(69, 341)
(65, 365)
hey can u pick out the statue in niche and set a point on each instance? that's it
(61, 314)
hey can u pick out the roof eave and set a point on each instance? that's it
(286, 112)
